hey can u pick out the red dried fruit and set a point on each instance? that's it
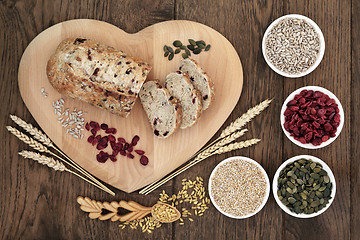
(111, 138)
(112, 158)
(113, 146)
(122, 140)
(126, 146)
(144, 160)
(325, 138)
(122, 152)
(115, 152)
(321, 112)
(93, 132)
(130, 149)
(95, 125)
(119, 146)
(104, 126)
(87, 126)
(111, 130)
(94, 142)
(337, 118)
(292, 102)
(140, 152)
(90, 139)
(101, 147)
(98, 137)
(129, 155)
(328, 127)
(104, 140)
(135, 140)
(102, 157)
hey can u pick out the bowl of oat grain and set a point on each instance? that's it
(293, 45)
(239, 187)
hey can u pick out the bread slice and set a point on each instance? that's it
(200, 80)
(162, 109)
(98, 74)
(180, 86)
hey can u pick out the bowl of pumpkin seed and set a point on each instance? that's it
(304, 186)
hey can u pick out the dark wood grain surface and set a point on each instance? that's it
(37, 203)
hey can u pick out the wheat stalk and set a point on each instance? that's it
(208, 150)
(41, 148)
(245, 118)
(51, 163)
(42, 137)
(227, 148)
(38, 135)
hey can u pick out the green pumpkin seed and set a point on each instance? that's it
(192, 42)
(190, 47)
(326, 193)
(326, 179)
(165, 48)
(177, 43)
(207, 48)
(170, 49)
(319, 194)
(187, 52)
(316, 187)
(290, 184)
(182, 47)
(184, 55)
(321, 189)
(312, 165)
(201, 46)
(177, 51)
(166, 54)
(291, 200)
(299, 181)
(197, 50)
(315, 203)
(314, 175)
(171, 56)
(323, 172)
(303, 195)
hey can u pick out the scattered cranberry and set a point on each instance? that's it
(130, 149)
(87, 126)
(140, 152)
(111, 138)
(312, 117)
(122, 152)
(126, 146)
(93, 132)
(104, 126)
(112, 158)
(135, 140)
(122, 140)
(90, 139)
(111, 130)
(129, 155)
(144, 160)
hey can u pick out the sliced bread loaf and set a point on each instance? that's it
(200, 80)
(162, 109)
(180, 86)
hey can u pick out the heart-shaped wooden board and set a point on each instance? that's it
(221, 63)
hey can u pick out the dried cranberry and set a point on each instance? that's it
(93, 132)
(101, 147)
(95, 125)
(102, 156)
(140, 152)
(325, 138)
(94, 142)
(119, 146)
(113, 146)
(104, 126)
(122, 140)
(98, 137)
(144, 160)
(104, 140)
(112, 158)
(111, 130)
(90, 139)
(115, 152)
(87, 126)
(130, 149)
(135, 140)
(122, 152)
(328, 127)
(129, 155)
(126, 146)
(337, 118)
(111, 138)
(292, 102)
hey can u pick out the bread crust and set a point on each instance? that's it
(97, 74)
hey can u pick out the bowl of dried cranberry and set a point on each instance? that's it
(312, 117)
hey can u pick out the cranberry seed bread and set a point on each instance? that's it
(180, 86)
(200, 80)
(162, 109)
(97, 74)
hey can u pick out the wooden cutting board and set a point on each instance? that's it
(221, 63)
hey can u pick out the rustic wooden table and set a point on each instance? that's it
(37, 203)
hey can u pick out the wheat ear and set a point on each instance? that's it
(51, 163)
(41, 148)
(42, 137)
(245, 118)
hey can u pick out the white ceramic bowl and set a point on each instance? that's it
(325, 167)
(309, 145)
(321, 53)
(266, 197)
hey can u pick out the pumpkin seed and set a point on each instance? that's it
(165, 48)
(290, 184)
(326, 179)
(177, 51)
(201, 46)
(313, 165)
(166, 54)
(187, 52)
(177, 43)
(192, 42)
(184, 55)
(171, 56)
(182, 47)
(291, 200)
(170, 49)
(314, 175)
(190, 47)
(207, 48)
(322, 188)
(315, 203)
(197, 50)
